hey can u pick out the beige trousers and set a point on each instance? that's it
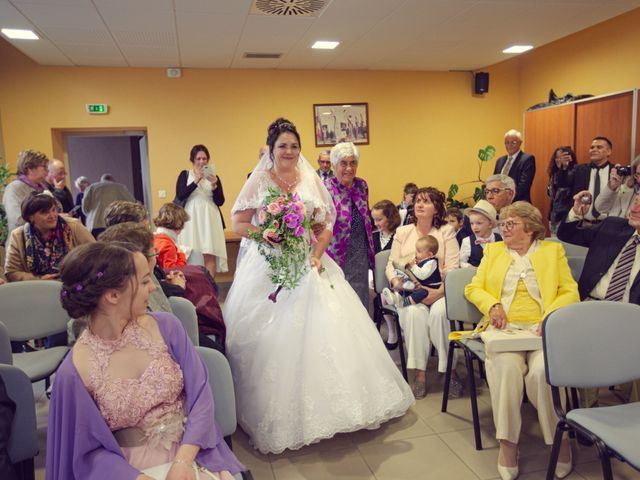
(505, 374)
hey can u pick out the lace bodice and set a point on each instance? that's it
(257, 188)
(134, 402)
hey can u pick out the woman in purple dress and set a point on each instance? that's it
(132, 396)
(352, 243)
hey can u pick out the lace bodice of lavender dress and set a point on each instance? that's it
(134, 402)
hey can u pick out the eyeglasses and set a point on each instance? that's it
(494, 191)
(155, 253)
(508, 225)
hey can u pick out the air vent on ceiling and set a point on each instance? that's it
(262, 55)
(284, 8)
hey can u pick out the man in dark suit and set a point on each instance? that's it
(612, 266)
(324, 162)
(55, 184)
(592, 177)
(518, 165)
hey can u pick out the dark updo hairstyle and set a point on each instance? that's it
(89, 270)
(390, 211)
(438, 200)
(196, 149)
(277, 128)
(37, 202)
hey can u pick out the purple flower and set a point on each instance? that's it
(299, 231)
(292, 220)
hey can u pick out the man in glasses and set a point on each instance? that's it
(324, 162)
(518, 165)
(499, 191)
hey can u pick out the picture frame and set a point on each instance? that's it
(341, 122)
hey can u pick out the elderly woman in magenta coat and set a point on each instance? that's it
(352, 243)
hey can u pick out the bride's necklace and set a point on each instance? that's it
(289, 185)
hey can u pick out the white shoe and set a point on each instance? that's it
(388, 296)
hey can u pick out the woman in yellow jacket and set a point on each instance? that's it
(518, 283)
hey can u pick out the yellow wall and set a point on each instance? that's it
(424, 127)
(599, 60)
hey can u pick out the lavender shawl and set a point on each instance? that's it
(342, 196)
(80, 444)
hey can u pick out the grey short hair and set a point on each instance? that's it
(505, 180)
(30, 159)
(80, 180)
(513, 133)
(343, 150)
(107, 177)
(324, 152)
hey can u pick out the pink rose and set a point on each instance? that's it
(302, 208)
(275, 224)
(273, 208)
(262, 216)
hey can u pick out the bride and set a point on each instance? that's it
(311, 364)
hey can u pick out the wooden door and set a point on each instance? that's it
(546, 130)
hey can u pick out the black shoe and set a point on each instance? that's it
(391, 346)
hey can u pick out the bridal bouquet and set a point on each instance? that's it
(283, 221)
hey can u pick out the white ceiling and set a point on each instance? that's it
(373, 34)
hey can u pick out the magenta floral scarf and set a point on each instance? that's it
(342, 198)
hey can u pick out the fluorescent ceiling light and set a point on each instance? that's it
(517, 49)
(323, 45)
(18, 34)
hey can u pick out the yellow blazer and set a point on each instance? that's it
(557, 286)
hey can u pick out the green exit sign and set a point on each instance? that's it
(97, 108)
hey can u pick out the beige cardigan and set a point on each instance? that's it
(404, 244)
(16, 262)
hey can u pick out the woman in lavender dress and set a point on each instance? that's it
(132, 396)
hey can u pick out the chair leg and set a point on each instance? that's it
(605, 460)
(403, 359)
(473, 397)
(447, 377)
(555, 451)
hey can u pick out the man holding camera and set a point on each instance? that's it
(616, 199)
(589, 179)
(612, 265)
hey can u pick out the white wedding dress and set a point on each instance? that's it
(312, 364)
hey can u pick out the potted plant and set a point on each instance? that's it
(484, 155)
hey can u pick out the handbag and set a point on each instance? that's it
(511, 339)
(160, 472)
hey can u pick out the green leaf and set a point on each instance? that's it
(453, 190)
(478, 194)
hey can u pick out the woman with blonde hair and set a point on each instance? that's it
(518, 283)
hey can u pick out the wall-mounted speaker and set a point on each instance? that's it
(480, 83)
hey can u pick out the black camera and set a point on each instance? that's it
(585, 199)
(624, 171)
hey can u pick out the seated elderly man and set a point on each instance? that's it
(499, 190)
(518, 283)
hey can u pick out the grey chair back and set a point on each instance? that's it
(460, 309)
(6, 357)
(23, 440)
(576, 264)
(221, 383)
(186, 313)
(32, 309)
(570, 249)
(592, 344)
(379, 278)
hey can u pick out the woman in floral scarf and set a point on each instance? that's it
(37, 247)
(352, 243)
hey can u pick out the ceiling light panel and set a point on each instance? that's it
(19, 34)
(325, 45)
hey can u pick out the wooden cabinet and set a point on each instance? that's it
(575, 124)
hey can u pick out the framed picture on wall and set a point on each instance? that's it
(341, 122)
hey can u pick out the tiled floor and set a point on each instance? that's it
(424, 444)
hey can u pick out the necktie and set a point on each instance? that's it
(596, 192)
(620, 276)
(324, 175)
(507, 166)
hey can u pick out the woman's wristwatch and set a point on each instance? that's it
(495, 305)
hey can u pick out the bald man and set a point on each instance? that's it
(55, 184)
